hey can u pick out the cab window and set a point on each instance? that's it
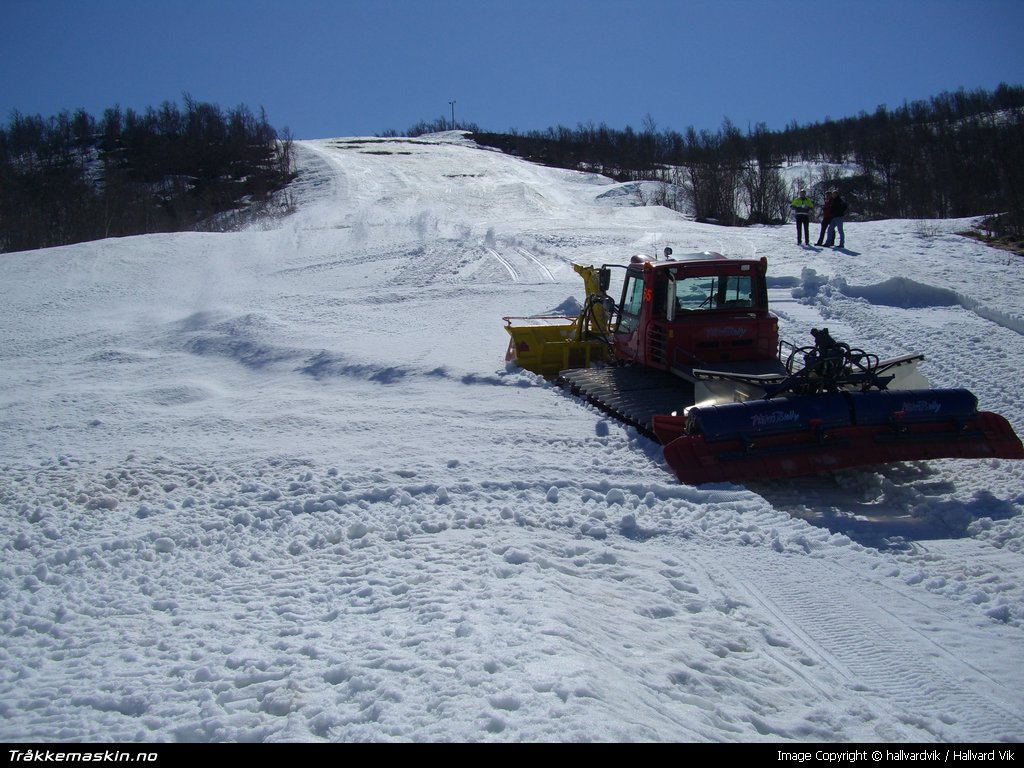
(695, 294)
(632, 302)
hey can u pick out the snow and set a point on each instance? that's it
(280, 485)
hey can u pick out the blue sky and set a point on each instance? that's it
(325, 68)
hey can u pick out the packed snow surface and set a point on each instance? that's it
(281, 485)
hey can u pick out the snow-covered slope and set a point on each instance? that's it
(281, 485)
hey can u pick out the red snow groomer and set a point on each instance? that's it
(690, 355)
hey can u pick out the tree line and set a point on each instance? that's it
(958, 154)
(72, 178)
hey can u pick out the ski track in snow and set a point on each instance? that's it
(863, 632)
(543, 270)
(522, 265)
(293, 494)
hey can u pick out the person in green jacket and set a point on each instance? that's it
(803, 207)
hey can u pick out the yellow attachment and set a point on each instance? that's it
(547, 345)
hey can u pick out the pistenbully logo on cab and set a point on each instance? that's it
(727, 332)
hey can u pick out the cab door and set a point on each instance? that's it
(627, 338)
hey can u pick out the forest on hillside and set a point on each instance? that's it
(955, 155)
(73, 178)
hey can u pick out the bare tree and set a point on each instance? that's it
(765, 193)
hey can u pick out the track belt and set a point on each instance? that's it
(629, 393)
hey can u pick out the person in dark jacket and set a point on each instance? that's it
(826, 217)
(835, 224)
(803, 206)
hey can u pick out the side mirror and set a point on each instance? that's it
(604, 279)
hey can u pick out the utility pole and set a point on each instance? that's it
(453, 114)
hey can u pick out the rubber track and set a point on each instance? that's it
(631, 394)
